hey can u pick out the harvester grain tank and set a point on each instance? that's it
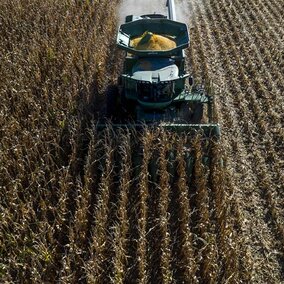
(154, 87)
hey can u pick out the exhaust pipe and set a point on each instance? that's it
(172, 10)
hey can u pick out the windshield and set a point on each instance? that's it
(158, 92)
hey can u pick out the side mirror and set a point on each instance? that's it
(190, 81)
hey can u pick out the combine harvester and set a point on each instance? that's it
(155, 89)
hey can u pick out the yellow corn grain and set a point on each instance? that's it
(150, 41)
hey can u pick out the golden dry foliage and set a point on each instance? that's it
(53, 67)
(247, 67)
(78, 206)
(150, 41)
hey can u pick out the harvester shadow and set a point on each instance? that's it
(76, 135)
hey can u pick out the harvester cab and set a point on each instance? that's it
(154, 87)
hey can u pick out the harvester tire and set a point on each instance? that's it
(185, 113)
(112, 101)
(198, 114)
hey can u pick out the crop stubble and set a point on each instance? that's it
(249, 101)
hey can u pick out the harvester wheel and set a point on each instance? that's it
(185, 113)
(191, 113)
(112, 101)
(198, 114)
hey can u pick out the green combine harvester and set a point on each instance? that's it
(154, 88)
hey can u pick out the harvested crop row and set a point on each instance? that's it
(226, 52)
(227, 122)
(269, 139)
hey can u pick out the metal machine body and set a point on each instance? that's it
(154, 87)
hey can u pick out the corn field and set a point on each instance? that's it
(82, 206)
